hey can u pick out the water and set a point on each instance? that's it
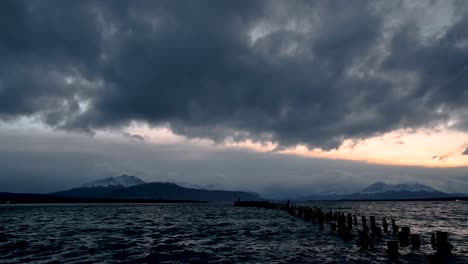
(210, 233)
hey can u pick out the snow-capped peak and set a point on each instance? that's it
(379, 187)
(123, 180)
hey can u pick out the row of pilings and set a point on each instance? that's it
(342, 224)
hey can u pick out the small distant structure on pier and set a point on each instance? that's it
(257, 204)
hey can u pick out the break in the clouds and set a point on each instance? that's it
(312, 73)
(47, 162)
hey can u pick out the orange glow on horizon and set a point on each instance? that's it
(441, 148)
(430, 148)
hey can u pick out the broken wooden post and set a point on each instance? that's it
(350, 222)
(444, 248)
(363, 240)
(406, 230)
(394, 227)
(364, 224)
(372, 242)
(377, 232)
(341, 223)
(385, 225)
(372, 222)
(307, 214)
(392, 249)
(321, 218)
(433, 240)
(415, 241)
(403, 236)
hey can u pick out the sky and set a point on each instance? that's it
(276, 97)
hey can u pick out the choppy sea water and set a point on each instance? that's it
(211, 233)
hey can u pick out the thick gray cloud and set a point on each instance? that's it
(465, 152)
(302, 72)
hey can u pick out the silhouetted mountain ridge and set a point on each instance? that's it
(89, 192)
(122, 180)
(380, 187)
(107, 189)
(383, 191)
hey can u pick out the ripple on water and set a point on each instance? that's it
(210, 233)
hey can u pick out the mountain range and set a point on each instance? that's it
(120, 181)
(130, 187)
(380, 187)
(127, 188)
(383, 191)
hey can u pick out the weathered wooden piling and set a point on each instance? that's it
(433, 240)
(350, 222)
(307, 215)
(364, 224)
(392, 249)
(444, 248)
(347, 235)
(394, 227)
(403, 236)
(300, 211)
(385, 225)
(441, 238)
(343, 223)
(372, 222)
(415, 241)
(406, 230)
(377, 233)
(372, 242)
(339, 226)
(363, 240)
(321, 219)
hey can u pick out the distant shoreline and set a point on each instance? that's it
(15, 198)
(396, 200)
(102, 202)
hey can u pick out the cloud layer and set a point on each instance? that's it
(48, 162)
(302, 72)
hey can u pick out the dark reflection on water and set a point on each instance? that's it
(209, 233)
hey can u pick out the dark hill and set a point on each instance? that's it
(156, 191)
(397, 195)
(172, 191)
(383, 191)
(88, 192)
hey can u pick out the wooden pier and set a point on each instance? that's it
(342, 224)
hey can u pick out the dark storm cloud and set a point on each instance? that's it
(41, 44)
(442, 65)
(297, 72)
